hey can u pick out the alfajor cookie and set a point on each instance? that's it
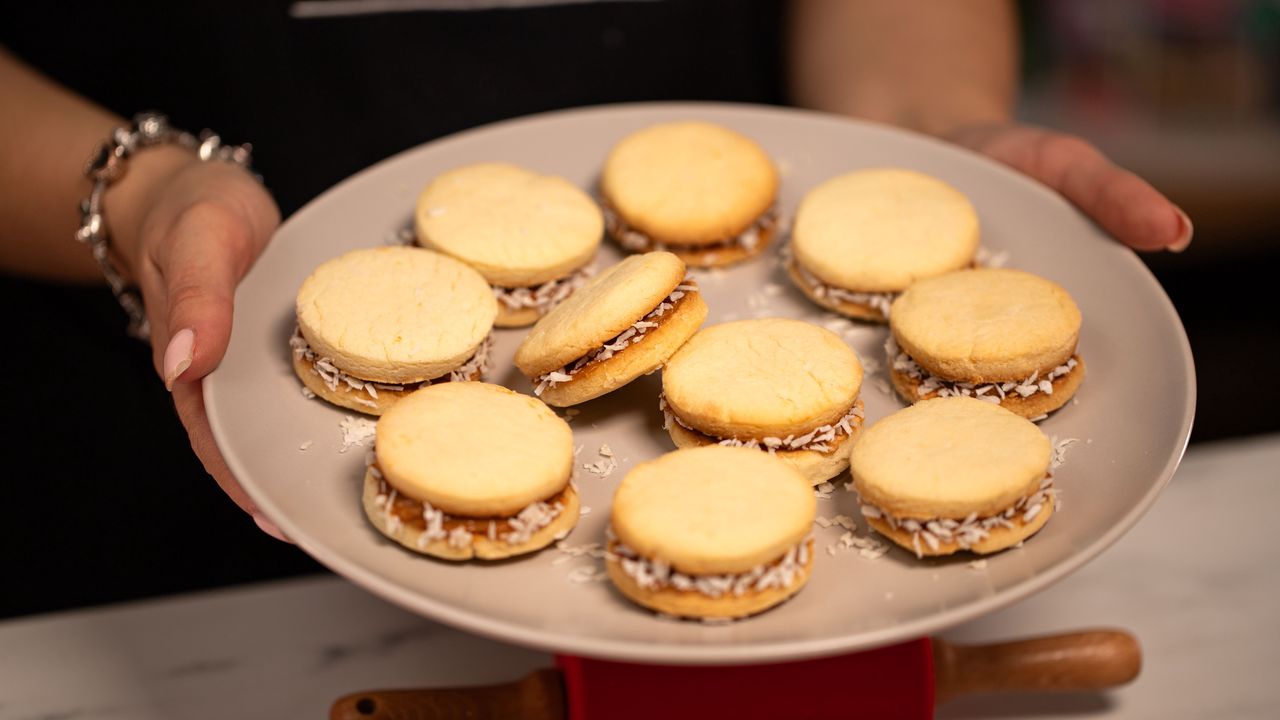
(623, 324)
(785, 387)
(470, 470)
(1003, 336)
(953, 474)
(533, 237)
(861, 238)
(376, 324)
(711, 532)
(701, 191)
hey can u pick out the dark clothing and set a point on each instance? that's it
(106, 502)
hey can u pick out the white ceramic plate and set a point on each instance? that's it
(1132, 416)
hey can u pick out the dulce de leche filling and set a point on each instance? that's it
(636, 241)
(655, 574)
(432, 524)
(339, 380)
(545, 296)
(970, 530)
(620, 342)
(822, 439)
(877, 301)
(994, 392)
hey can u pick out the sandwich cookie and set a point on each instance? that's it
(785, 387)
(533, 237)
(953, 474)
(701, 191)
(860, 239)
(711, 532)
(376, 324)
(623, 324)
(1003, 336)
(470, 470)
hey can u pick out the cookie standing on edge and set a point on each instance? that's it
(467, 469)
(531, 236)
(1003, 336)
(701, 191)
(623, 324)
(861, 238)
(711, 532)
(782, 386)
(376, 324)
(954, 474)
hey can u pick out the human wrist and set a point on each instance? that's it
(127, 202)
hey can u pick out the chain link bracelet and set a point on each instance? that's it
(108, 164)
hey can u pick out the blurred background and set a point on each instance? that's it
(1185, 93)
(105, 502)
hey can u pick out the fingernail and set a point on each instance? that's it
(177, 356)
(265, 526)
(1184, 239)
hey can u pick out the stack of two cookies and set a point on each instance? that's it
(861, 239)
(532, 237)
(375, 325)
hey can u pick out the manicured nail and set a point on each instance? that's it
(1184, 239)
(267, 527)
(177, 357)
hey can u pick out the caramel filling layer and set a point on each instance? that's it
(994, 392)
(339, 380)
(970, 530)
(877, 301)
(823, 438)
(636, 241)
(400, 511)
(620, 342)
(545, 296)
(655, 574)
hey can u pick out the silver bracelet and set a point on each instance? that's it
(107, 165)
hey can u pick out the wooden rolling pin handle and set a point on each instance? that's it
(1086, 660)
(538, 696)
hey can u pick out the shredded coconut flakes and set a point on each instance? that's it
(653, 574)
(990, 392)
(820, 439)
(625, 339)
(547, 295)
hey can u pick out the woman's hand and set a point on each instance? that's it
(1121, 202)
(187, 232)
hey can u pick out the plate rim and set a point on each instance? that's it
(718, 653)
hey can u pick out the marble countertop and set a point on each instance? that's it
(1194, 581)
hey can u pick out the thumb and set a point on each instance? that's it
(209, 252)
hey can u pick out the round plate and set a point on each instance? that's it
(1132, 415)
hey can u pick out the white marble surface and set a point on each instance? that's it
(1194, 581)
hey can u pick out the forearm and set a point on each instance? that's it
(926, 65)
(46, 135)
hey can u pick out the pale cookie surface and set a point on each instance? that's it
(947, 458)
(641, 358)
(689, 183)
(599, 311)
(516, 227)
(395, 314)
(480, 546)
(881, 230)
(753, 379)
(713, 509)
(474, 449)
(986, 325)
